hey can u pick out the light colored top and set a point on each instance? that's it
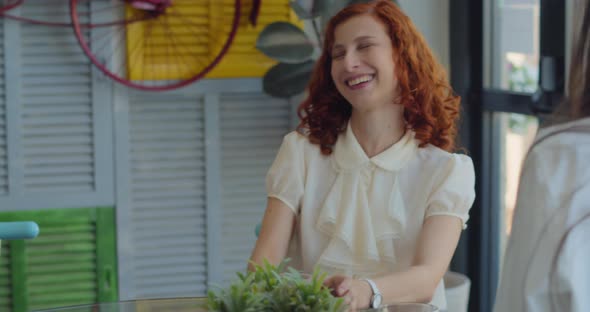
(361, 216)
(547, 266)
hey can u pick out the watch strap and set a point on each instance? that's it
(375, 290)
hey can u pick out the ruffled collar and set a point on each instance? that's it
(349, 155)
(363, 224)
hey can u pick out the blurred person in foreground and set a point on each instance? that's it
(547, 262)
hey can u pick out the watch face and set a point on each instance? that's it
(376, 301)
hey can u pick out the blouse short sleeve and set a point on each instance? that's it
(284, 180)
(454, 191)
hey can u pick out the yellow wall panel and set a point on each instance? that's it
(187, 44)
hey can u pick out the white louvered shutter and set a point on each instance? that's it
(167, 196)
(56, 105)
(3, 151)
(58, 116)
(252, 129)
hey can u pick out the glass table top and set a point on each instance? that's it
(148, 305)
(199, 305)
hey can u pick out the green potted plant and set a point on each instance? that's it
(295, 50)
(273, 289)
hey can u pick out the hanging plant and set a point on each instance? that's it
(295, 50)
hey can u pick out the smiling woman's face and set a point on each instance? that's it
(363, 69)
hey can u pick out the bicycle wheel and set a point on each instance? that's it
(155, 45)
(9, 5)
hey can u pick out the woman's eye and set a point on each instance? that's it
(337, 56)
(364, 46)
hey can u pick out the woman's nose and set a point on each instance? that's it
(351, 61)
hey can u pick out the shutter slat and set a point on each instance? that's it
(55, 69)
(164, 194)
(250, 115)
(72, 187)
(59, 100)
(33, 41)
(252, 128)
(240, 163)
(180, 136)
(166, 252)
(58, 130)
(60, 159)
(246, 172)
(169, 144)
(53, 140)
(68, 59)
(50, 89)
(57, 110)
(174, 105)
(156, 272)
(3, 139)
(5, 275)
(160, 288)
(170, 233)
(163, 155)
(169, 201)
(169, 174)
(50, 180)
(52, 120)
(53, 170)
(56, 104)
(189, 185)
(64, 150)
(167, 192)
(253, 142)
(177, 164)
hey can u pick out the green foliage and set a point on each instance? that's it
(273, 289)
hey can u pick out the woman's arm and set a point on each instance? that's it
(275, 233)
(436, 245)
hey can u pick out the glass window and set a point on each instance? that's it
(513, 65)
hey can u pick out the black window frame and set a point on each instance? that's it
(478, 252)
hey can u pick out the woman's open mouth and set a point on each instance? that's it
(359, 81)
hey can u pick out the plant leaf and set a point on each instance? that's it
(285, 42)
(303, 9)
(286, 80)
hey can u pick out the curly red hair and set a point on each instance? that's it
(431, 109)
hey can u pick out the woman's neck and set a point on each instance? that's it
(378, 130)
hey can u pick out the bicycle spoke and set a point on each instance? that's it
(154, 50)
(181, 44)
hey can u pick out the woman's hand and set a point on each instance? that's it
(356, 293)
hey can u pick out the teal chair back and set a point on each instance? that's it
(18, 230)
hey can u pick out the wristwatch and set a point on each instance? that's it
(376, 298)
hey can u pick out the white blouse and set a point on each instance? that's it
(546, 267)
(362, 216)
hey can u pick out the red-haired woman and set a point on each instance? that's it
(368, 188)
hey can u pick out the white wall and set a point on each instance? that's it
(432, 19)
